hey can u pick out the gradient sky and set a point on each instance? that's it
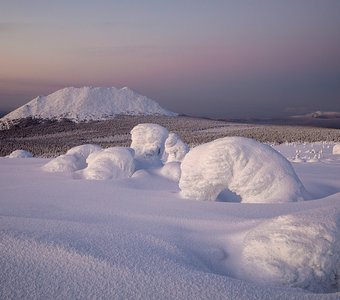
(217, 58)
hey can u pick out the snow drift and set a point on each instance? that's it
(20, 154)
(296, 250)
(88, 103)
(254, 171)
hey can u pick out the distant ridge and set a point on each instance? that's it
(86, 104)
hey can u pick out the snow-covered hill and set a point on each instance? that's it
(88, 103)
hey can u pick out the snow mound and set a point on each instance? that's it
(336, 149)
(175, 148)
(297, 250)
(148, 142)
(20, 154)
(88, 103)
(254, 171)
(110, 163)
(73, 160)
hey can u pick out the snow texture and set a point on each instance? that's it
(148, 142)
(136, 238)
(73, 160)
(254, 171)
(171, 170)
(175, 148)
(88, 103)
(20, 154)
(110, 163)
(297, 250)
(336, 149)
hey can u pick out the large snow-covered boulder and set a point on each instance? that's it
(254, 171)
(296, 250)
(110, 163)
(20, 154)
(336, 149)
(148, 142)
(175, 148)
(73, 160)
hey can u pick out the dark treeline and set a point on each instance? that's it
(48, 138)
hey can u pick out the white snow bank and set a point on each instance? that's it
(255, 172)
(110, 163)
(175, 148)
(148, 142)
(336, 149)
(73, 160)
(296, 250)
(20, 154)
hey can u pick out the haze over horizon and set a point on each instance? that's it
(219, 59)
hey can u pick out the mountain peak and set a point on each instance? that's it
(88, 103)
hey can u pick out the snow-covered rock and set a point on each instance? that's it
(336, 149)
(175, 148)
(110, 163)
(148, 142)
(296, 250)
(73, 160)
(87, 103)
(254, 171)
(20, 154)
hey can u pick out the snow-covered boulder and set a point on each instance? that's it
(110, 163)
(336, 149)
(148, 142)
(254, 171)
(20, 154)
(296, 250)
(175, 148)
(73, 160)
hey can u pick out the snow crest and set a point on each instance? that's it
(254, 171)
(88, 103)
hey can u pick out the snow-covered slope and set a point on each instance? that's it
(88, 103)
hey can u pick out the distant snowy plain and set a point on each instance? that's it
(136, 238)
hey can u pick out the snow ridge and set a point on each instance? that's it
(88, 103)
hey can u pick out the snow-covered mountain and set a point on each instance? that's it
(88, 103)
(320, 115)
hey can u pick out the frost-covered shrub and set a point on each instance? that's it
(298, 250)
(171, 170)
(336, 149)
(20, 154)
(110, 163)
(175, 148)
(148, 142)
(255, 172)
(65, 163)
(73, 160)
(84, 150)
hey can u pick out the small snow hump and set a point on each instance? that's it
(254, 171)
(336, 149)
(20, 154)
